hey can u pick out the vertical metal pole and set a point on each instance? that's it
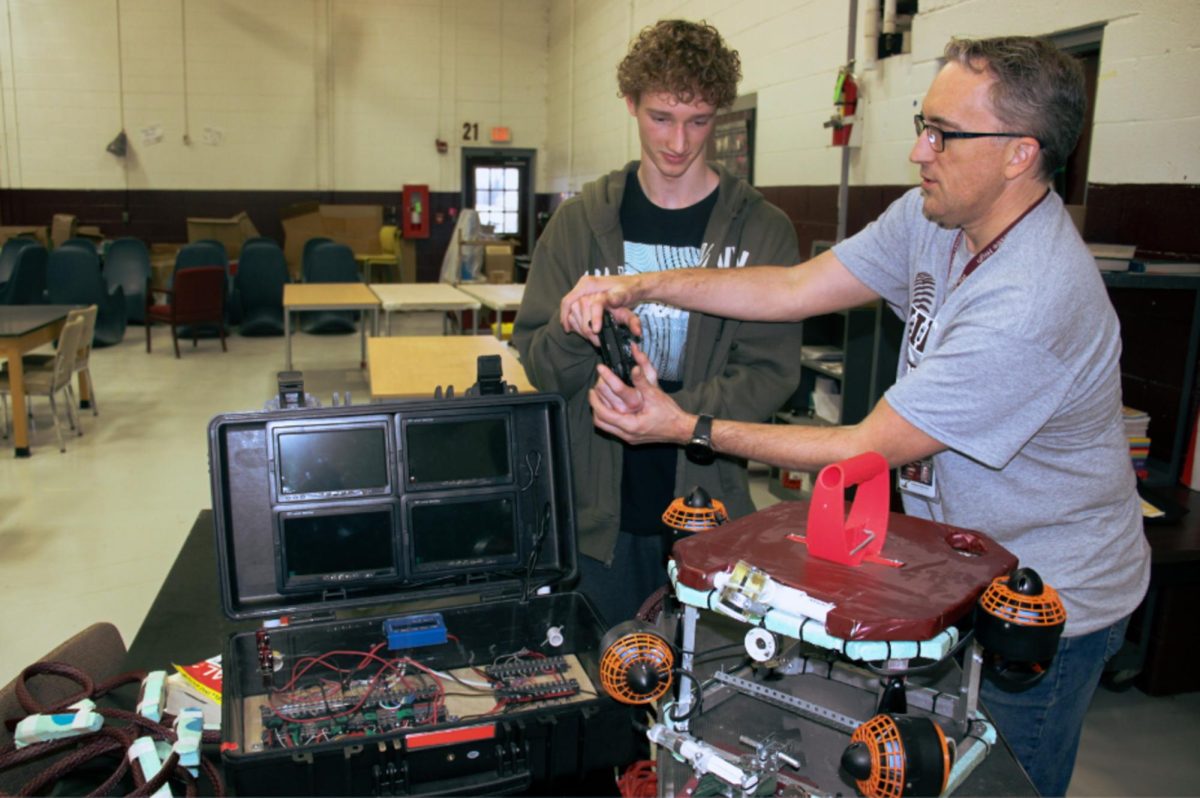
(844, 185)
(691, 616)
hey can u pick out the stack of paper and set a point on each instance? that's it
(1137, 422)
(827, 400)
(1112, 257)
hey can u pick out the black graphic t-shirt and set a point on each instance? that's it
(656, 239)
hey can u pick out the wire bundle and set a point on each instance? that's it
(110, 742)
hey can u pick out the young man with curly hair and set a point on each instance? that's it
(670, 209)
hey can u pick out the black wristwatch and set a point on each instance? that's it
(699, 449)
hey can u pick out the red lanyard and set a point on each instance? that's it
(988, 251)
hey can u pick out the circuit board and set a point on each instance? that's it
(369, 695)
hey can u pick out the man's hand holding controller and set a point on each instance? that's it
(581, 310)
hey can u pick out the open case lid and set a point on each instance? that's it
(323, 509)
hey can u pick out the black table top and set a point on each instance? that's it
(185, 623)
(17, 320)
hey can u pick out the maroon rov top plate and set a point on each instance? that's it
(944, 570)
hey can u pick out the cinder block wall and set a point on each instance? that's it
(1147, 107)
(309, 95)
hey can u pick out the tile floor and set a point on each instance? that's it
(89, 535)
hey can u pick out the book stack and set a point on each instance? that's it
(1112, 257)
(1137, 423)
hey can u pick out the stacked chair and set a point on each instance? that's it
(258, 287)
(73, 278)
(83, 243)
(307, 258)
(8, 257)
(127, 265)
(330, 262)
(202, 253)
(26, 284)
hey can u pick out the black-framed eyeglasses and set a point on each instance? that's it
(937, 137)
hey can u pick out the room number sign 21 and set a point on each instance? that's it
(470, 131)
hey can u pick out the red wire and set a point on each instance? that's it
(367, 656)
(639, 780)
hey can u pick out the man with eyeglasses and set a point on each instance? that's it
(1006, 412)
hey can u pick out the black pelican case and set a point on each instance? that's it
(401, 558)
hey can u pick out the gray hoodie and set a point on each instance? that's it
(733, 370)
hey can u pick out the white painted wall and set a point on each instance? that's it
(345, 95)
(350, 95)
(1147, 122)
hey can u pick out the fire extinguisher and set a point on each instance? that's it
(414, 214)
(845, 101)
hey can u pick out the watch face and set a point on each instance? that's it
(699, 450)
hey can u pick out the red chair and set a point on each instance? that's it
(197, 298)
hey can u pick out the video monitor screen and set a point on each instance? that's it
(341, 549)
(457, 534)
(457, 450)
(332, 462)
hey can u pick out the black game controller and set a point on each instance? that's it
(616, 348)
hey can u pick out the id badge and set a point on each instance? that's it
(918, 478)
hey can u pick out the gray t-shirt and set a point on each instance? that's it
(1016, 370)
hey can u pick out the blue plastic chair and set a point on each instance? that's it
(8, 256)
(258, 287)
(127, 264)
(83, 243)
(66, 266)
(27, 285)
(331, 262)
(202, 253)
(73, 278)
(306, 259)
(249, 242)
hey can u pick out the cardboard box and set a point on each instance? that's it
(162, 265)
(354, 225)
(62, 227)
(407, 258)
(231, 232)
(12, 231)
(498, 263)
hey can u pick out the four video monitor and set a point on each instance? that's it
(372, 500)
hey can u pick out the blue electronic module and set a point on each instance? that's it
(415, 631)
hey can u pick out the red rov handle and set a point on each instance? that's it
(831, 534)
